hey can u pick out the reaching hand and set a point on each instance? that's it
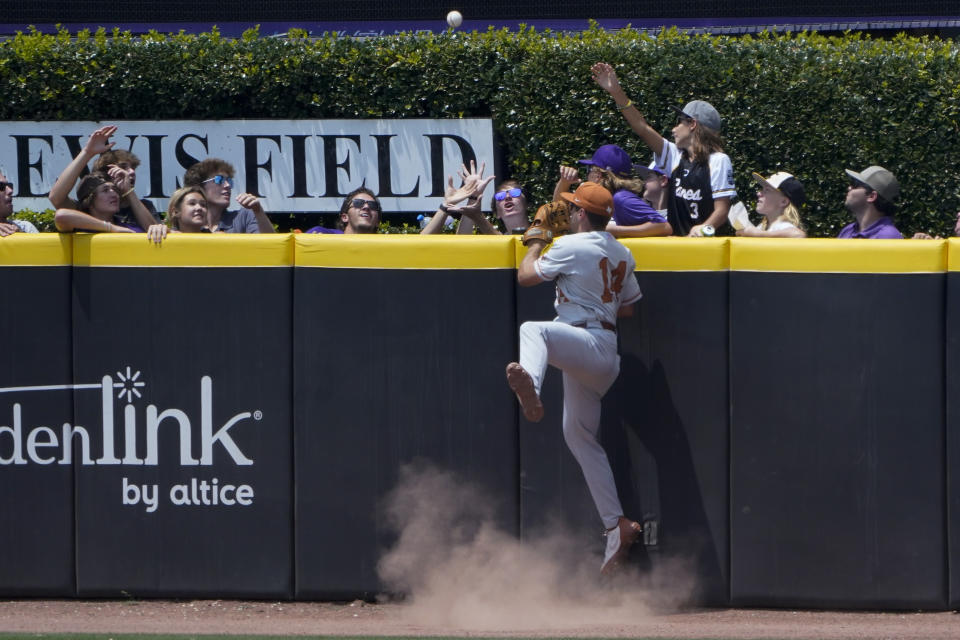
(8, 228)
(473, 185)
(605, 76)
(99, 141)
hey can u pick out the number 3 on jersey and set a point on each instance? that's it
(612, 279)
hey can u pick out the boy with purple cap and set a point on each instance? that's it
(612, 168)
(701, 174)
(870, 199)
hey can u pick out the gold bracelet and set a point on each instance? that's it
(127, 193)
(626, 106)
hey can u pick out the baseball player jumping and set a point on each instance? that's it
(595, 284)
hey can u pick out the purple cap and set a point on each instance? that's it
(645, 172)
(612, 158)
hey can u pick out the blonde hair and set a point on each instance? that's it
(790, 213)
(705, 141)
(613, 183)
(173, 214)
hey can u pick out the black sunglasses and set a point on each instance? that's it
(360, 203)
(4, 185)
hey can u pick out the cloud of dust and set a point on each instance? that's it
(459, 570)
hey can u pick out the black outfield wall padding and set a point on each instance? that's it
(552, 487)
(239, 408)
(191, 381)
(672, 397)
(952, 389)
(837, 444)
(396, 365)
(664, 421)
(36, 499)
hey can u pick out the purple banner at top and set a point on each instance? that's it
(393, 27)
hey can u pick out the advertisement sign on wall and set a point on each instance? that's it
(292, 165)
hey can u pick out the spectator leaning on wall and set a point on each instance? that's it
(359, 213)
(702, 186)
(778, 200)
(8, 226)
(216, 178)
(870, 199)
(510, 206)
(120, 167)
(611, 168)
(186, 213)
(99, 201)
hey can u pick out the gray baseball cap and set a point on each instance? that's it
(878, 179)
(703, 112)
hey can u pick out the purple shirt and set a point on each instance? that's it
(323, 230)
(882, 229)
(629, 209)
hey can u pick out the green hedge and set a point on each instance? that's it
(805, 103)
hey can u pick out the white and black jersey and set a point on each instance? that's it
(694, 186)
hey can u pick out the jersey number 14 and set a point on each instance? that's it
(612, 279)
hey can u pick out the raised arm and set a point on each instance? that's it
(98, 143)
(463, 200)
(606, 77)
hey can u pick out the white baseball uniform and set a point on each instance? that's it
(594, 277)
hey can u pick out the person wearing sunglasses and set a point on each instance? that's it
(8, 226)
(120, 166)
(870, 199)
(611, 167)
(509, 204)
(216, 178)
(359, 213)
(701, 174)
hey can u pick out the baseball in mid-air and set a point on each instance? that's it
(454, 19)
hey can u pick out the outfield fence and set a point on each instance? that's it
(223, 416)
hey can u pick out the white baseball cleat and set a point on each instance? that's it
(619, 540)
(522, 384)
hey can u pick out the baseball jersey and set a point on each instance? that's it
(694, 186)
(594, 276)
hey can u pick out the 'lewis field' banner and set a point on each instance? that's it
(292, 165)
